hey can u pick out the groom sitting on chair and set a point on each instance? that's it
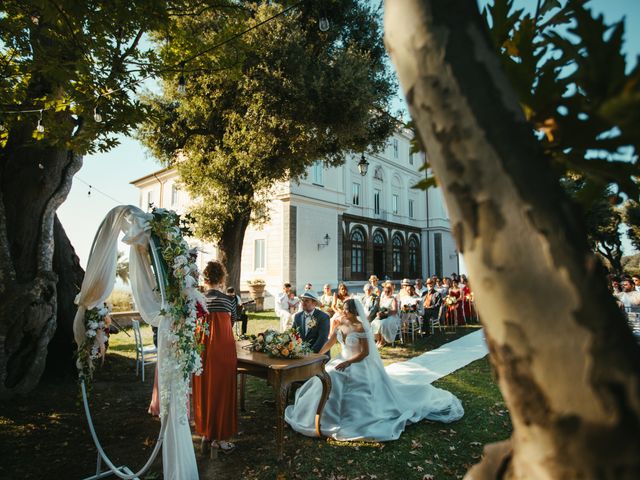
(312, 324)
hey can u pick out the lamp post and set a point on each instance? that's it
(363, 165)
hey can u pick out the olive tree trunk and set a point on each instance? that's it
(567, 364)
(62, 348)
(33, 183)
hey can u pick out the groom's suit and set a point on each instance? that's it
(317, 333)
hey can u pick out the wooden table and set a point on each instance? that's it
(280, 374)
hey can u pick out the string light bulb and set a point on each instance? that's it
(40, 126)
(40, 166)
(323, 23)
(182, 85)
(96, 115)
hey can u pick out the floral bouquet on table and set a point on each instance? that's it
(287, 344)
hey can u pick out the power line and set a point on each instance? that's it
(99, 191)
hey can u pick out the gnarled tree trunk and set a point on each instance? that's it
(33, 183)
(568, 367)
(66, 264)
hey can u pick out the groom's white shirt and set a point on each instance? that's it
(306, 318)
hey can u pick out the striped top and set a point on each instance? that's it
(221, 302)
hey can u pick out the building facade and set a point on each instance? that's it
(336, 224)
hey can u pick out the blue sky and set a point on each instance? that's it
(111, 172)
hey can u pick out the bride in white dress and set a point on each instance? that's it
(366, 403)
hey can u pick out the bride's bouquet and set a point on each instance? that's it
(287, 344)
(450, 301)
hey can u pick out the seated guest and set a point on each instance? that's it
(341, 296)
(294, 303)
(420, 288)
(386, 325)
(373, 280)
(282, 307)
(629, 296)
(370, 302)
(312, 324)
(326, 300)
(432, 302)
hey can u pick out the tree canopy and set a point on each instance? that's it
(72, 60)
(262, 107)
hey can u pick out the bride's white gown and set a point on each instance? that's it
(366, 403)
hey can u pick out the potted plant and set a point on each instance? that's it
(256, 290)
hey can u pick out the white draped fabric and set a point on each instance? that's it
(367, 402)
(179, 460)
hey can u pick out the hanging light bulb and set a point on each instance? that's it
(96, 115)
(323, 23)
(40, 127)
(40, 166)
(182, 85)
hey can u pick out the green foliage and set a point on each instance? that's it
(122, 268)
(265, 106)
(631, 216)
(65, 57)
(575, 87)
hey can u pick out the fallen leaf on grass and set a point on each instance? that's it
(415, 444)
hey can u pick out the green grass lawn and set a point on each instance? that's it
(38, 431)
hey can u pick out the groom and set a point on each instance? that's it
(312, 324)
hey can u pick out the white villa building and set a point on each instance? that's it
(337, 225)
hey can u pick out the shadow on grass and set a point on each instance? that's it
(45, 435)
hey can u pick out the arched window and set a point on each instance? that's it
(357, 252)
(413, 257)
(396, 257)
(378, 254)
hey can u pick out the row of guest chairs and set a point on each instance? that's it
(411, 323)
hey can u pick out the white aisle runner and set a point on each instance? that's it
(444, 360)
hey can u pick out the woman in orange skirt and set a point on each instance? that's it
(214, 391)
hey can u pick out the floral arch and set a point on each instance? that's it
(163, 278)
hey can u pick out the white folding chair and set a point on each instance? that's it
(150, 351)
(633, 318)
(409, 321)
(437, 321)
